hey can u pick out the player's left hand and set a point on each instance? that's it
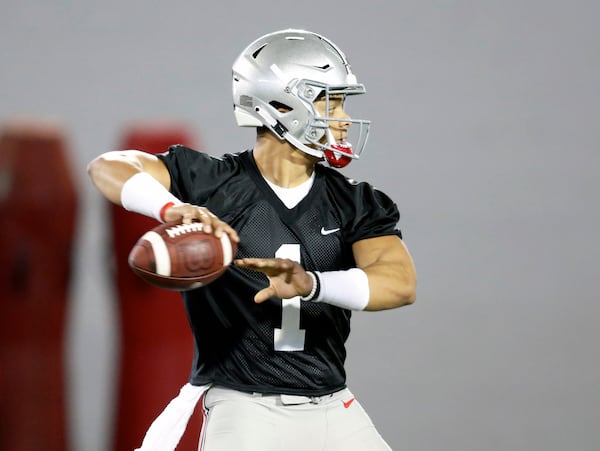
(287, 278)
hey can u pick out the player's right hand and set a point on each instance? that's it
(189, 213)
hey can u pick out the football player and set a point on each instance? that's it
(313, 246)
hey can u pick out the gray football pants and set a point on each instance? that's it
(254, 422)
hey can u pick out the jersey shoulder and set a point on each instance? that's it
(179, 156)
(368, 212)
(354, 191)
(193, 170)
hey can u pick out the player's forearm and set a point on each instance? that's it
(390, 271)
(390, 286)
(136, 180)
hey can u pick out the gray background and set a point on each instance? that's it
(486, 122)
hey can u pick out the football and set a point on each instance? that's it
(181, 257)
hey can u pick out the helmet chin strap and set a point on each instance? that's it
(301, 146)
(337, 154)
(283, 133)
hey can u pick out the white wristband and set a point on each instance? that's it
(346, 289)
(314, 292)
(143, 194)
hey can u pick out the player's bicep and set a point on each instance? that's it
(382, 249)
(112, 169)
(156, 168)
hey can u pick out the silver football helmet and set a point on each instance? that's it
(276, 81)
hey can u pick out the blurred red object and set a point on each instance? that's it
(156, 344)
(38, 204)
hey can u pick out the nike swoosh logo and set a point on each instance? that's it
(325, 231)
(347, 403)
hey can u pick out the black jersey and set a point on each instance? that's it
(279, 346)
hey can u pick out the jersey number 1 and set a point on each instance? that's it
(290, 337)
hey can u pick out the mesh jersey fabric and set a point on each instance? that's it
(235, 338)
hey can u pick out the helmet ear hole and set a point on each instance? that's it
(281, 107)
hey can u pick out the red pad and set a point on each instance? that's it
(37, 224)
(156, 343)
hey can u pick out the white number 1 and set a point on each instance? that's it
(290, 337)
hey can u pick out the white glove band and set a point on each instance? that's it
(345, 289)
(143, 194)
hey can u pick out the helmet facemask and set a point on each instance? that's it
(339, 150)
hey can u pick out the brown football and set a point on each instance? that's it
(181, 257)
